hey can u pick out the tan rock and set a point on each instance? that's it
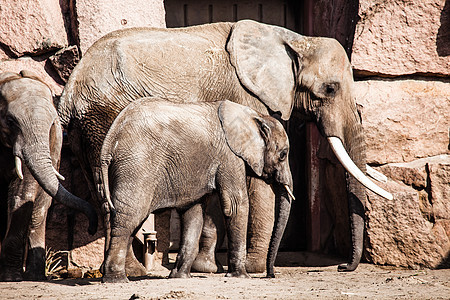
(64, 61)
(404, 119)
(95, 18)
(402, 37)
(440, 189)
(32, 26)
(431, 176)
(415, 173)
(3, 55)
(399, 235)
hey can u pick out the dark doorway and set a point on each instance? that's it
(194, 12)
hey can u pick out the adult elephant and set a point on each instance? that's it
(30, 132)
(268, 68)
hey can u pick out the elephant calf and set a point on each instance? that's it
(158, 155)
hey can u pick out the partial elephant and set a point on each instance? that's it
(159, 155)
(30, 132)
(268, 68)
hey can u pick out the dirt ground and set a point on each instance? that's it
(294, 282)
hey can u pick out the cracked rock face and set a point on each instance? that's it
(413, 230)
(402, 37)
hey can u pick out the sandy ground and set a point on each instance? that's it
(367, 282)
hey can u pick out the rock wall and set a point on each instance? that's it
(400, 53)
(49, 36)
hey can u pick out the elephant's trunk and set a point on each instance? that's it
(282, 210)
(355, 147)
(38, 161)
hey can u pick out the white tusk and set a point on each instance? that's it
(289, 191)
(375, 174)
(350, 166)
(60, 177)
(18, 163)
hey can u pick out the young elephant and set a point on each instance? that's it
(158, 154)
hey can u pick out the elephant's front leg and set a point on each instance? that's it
(35, 266)
(260, 224)
(20, 208)
(191, 227)
(237, 239)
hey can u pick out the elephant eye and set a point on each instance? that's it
(10, 121)
(283, 155)
(330, 89)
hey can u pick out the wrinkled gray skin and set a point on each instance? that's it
(268, 68)
(29, 129)
(158, 154)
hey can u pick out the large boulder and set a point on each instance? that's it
(402, 37)
(404, 119)
(95, 18)
(31, 26)
(64, 61)
(413, 230)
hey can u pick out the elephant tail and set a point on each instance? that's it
(104, 186)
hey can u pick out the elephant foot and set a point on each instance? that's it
(11, 277)
(255, 264)
(347, 267)
(238, 274)
(115, 278)
(206, 264)
(10, 274)
(34, 276)
(135, 269)
(176, 274)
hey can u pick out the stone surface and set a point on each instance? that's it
(399, 234)
(440, 189)
(31, 26)
(404, 119)
(37, 65)
(402, 37)
(64, 61)
(430, 176)
(3, 55)
(414, 173)
(95, 18)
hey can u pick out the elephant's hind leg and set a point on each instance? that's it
(132, 265)
(213, 234)
(114, 267)
(191, 226)
(122, 227)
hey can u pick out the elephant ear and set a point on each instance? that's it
(264, 63)
(244, 132)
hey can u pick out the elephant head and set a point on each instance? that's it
(263, 144)
(313, 77)
(27, 117)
